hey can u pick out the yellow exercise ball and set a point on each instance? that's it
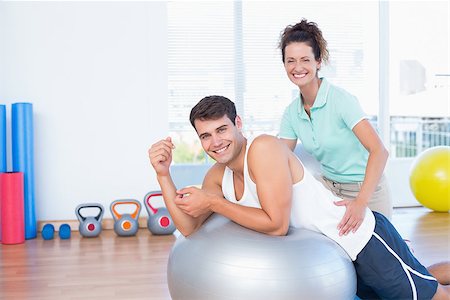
(430, 178)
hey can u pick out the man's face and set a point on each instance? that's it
(220, 138)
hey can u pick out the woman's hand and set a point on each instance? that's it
(353, 217)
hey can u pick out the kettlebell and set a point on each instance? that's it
(126, 224)
(90, 226)
(159, 221)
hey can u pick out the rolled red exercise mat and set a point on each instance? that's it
(12, 208)
(22, 141)
(3, 167)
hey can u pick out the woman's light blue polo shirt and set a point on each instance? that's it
(328, 134)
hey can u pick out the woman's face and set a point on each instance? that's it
(300, 64)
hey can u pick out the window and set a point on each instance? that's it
(201, 63)
(230, 49)
(420, 76)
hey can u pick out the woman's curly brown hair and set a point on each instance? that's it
(305, 32)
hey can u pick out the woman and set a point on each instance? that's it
(333, 128)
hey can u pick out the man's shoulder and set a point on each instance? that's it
(265, 138)
(264, 143)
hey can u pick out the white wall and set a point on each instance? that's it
(96, 73)
(397, 173)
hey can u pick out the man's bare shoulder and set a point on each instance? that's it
(267, 148)
(266, 142)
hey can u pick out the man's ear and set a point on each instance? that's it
(238, 122)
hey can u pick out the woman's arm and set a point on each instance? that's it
(378, 155)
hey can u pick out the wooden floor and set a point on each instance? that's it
(111, 267)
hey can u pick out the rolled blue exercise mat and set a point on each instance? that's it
(3, 167)
(23, 160)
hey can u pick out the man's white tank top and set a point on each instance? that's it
(313, 208)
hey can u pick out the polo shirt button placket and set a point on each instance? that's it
(314, 138)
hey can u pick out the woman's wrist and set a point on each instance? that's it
(360, 199)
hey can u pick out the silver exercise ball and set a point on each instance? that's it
(223, 260)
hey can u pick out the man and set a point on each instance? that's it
(263, 186)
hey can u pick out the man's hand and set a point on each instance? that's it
(194, 201)
(160, 155)
(353, 217)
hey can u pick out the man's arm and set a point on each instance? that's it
(274, 187)
(160, 155)
(268, 163)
